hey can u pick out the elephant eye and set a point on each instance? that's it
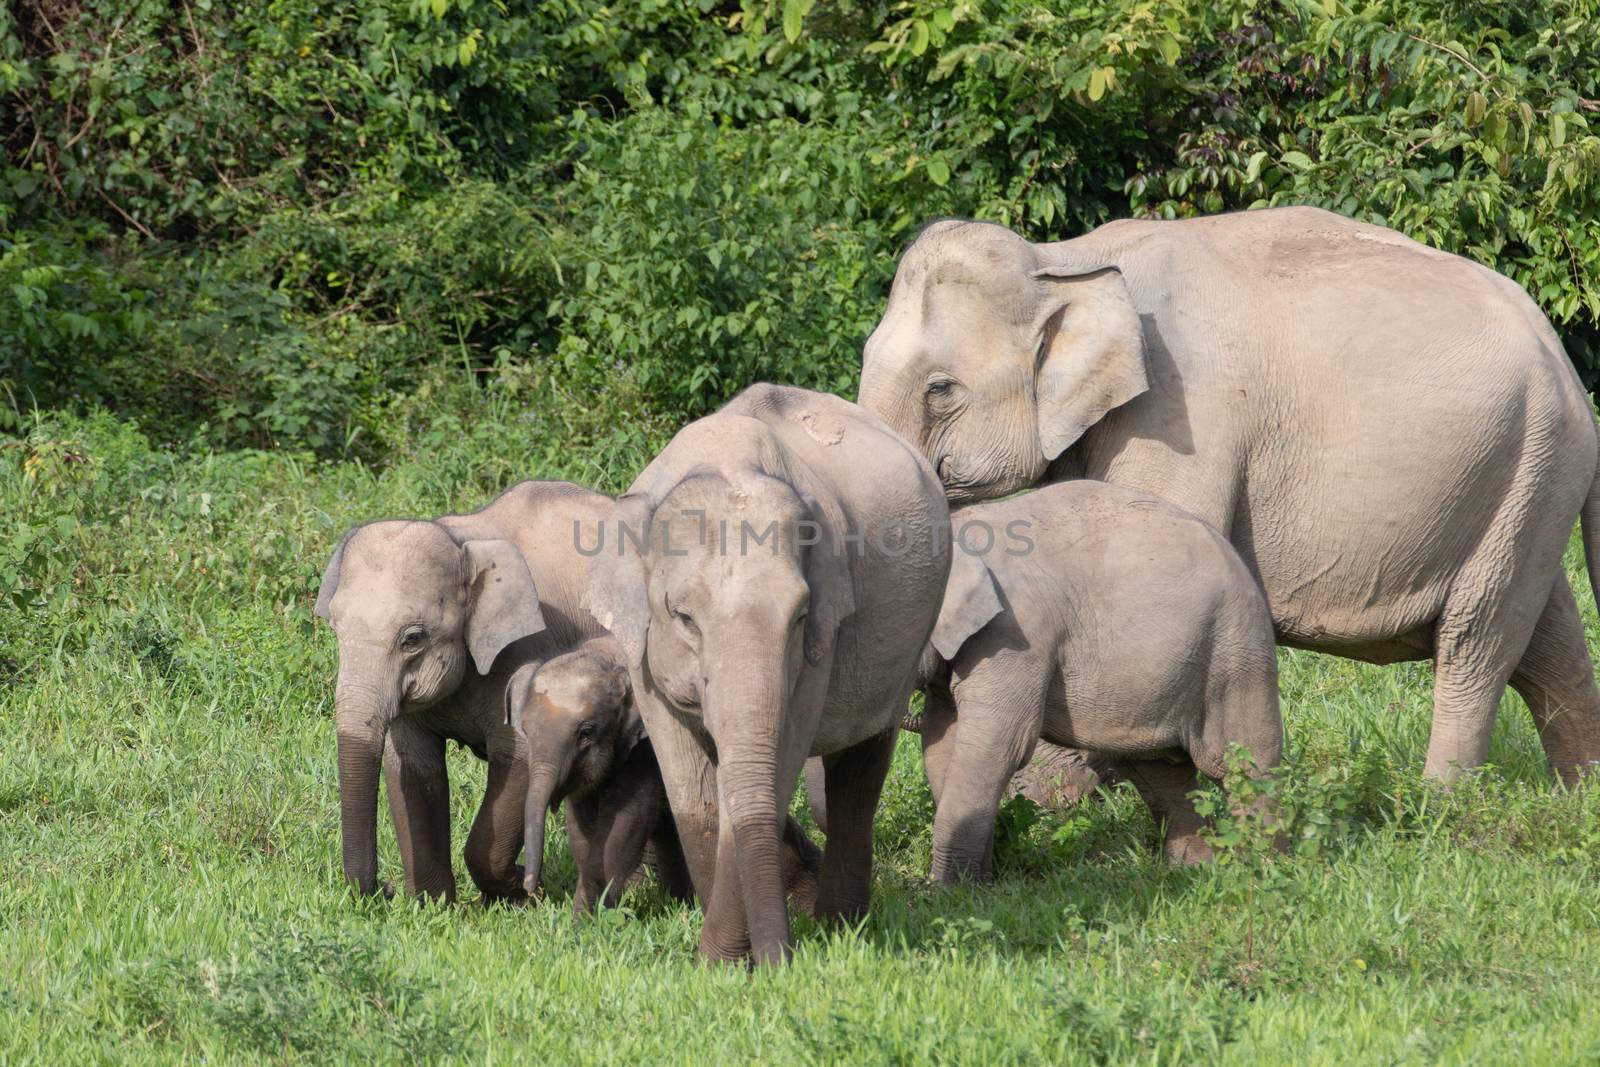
(413, 640)
(941, 392)
(585, 733)
(685, 621)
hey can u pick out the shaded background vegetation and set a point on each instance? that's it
(295, 224)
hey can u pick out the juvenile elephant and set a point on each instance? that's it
(1100, 618)
(1392, 437)
(772, 578)
(433, 618)
(586, 745)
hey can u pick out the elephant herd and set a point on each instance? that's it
(1275, 427)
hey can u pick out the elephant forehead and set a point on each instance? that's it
(417, 552)
(399, 568)
(558, 691)
(970, 254)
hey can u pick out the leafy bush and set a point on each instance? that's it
(266, 225)
(705, 257)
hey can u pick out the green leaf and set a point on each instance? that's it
(1097, 83)
(1298, 160)
(1252, 171)
(1477, 104)
(938, 171)
(919, 37)
(1558, 130)
(794, 13)
(439, 7)
(1494, 128)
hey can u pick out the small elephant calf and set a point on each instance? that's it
(585, 744)
(1102, 619)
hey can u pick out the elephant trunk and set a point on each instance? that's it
(750, 710)
(362, 716)
(541, 791)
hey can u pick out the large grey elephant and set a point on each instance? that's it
(1391, 436)
(772, 577)
(433, 618)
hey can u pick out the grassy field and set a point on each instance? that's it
(171, 891)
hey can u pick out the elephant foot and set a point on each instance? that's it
(718, 950)
(1187, 850)
(954, 870)
(1058, 777)
(802, 868)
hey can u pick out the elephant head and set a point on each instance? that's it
(410, 606)
(579, 723)
(728, 597)
(993, 361)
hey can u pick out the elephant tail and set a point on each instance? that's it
(1590, 519)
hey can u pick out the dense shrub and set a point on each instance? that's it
(267, 225)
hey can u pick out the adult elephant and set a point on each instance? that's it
(773, 577)
(1391, 436)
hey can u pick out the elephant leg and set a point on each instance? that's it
(672, 870)
(1165, 788)
(419, 804)
(802, 867)
(587, 834)
(627, 829)
(991, 745)
(1556, 679)
(854, 782)
(690, 779)
(1496, 599)
(816, 792)
(938, 736)
(496, 834)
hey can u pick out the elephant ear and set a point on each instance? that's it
(1091, 353)
(632, 723)
(505, 602)
(829, 575)
(970, 601)
(616, 595)
(330, 578)
(517, 690)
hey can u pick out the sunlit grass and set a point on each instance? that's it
(171, 889)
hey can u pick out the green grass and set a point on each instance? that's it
(169, 870)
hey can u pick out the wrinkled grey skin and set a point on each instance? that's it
(1103, 619)
(586, 746)
(1392, 437)
(433, 618)
(746, 656)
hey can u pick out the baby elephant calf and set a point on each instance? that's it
(585, 744)
(1101, 619)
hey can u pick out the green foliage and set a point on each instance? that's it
(706, 257)
(269, 222)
